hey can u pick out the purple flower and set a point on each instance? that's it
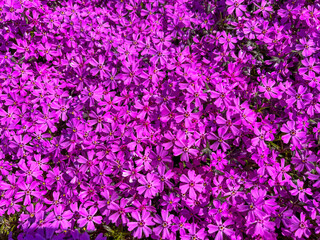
(219, 159)
(221, 228)
(309, 66)
(300, 97)
(193, 232)
(300, 191)
(184, 148)
(263, 8)
(143, 221)
(300, 227)
(292, 133)
(227, 40)
(88, 218)
(262, 227)
(121, 211)
(220, 139)
(235, 5)
(164, 222)
(150, 185)
(306, 47)
(99, 66)
(28, 190)
(59, 218)
(185, 115)
(269, 89)
(191, 183)
(21, 143)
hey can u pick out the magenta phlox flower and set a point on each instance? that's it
(159, 54)
(262, 227)
(269, 89)
(143, 221)
(185, 115)
(185, 149)
(306, 46)
(261, 137)
(222, 96)
(309, 65)
(300, 227)
(28, 190)
(236, 6)
(164, 224)
(99, 66)
(165, 177)
(220, 228)
(88, 218)
(227, 40)
(21, 142)
(292, 133)
(300, 97)
(59, 218)
(121, 211)
(264, 9)
(92, 94)
(219, 160)
(300, 191)
(230, 123)
(194, 232)
(220, 140)
(303, 160)
(150, 185)
(191, 183)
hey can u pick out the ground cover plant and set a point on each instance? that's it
(159, 119)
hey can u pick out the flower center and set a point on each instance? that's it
(293, 132)
(302, 225)
(141, 223)
(191, 184)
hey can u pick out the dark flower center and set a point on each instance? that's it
(191, 184)
(141, 223)
(302, 225)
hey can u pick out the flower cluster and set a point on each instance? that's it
(174, 119)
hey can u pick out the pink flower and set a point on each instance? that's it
(234, 5)
(144, 220)
(293, 134)
(150, 185)
(301, 227)
(191, 183)
(89, 218)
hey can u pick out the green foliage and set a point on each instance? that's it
(117, 233)
(8, 224)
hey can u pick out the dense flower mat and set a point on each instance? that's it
(169, 119)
